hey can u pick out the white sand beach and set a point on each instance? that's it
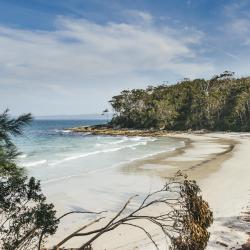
(219, 162)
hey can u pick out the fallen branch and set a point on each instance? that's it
(185, 219)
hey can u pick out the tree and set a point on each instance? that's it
(8, 151)
(25, 217)
(105, 112)
(184, 220)
(219, 103)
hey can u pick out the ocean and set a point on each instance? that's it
(76, 165)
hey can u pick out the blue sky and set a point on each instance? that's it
(71, 56)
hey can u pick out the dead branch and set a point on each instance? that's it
(73, 234)
(184, 220)
(77, 231)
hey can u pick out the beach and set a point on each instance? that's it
(124, 125)
(219, 162)
(224, 181)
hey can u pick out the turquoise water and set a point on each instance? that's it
(50, 152)
(75, 165)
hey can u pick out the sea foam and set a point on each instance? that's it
(78, 156)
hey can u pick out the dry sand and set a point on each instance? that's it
(220, 162)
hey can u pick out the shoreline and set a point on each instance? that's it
(227, 192)
(202, 157)
(201, 164)
(108, 130)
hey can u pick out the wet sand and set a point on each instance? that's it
(219, 162)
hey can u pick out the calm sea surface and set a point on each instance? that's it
(70, 165)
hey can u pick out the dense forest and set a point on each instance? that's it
(220, 103)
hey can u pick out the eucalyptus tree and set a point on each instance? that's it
(219, 103)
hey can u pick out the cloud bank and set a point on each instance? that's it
(80, 56)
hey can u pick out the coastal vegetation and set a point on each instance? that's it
(220, 103)
(25, 217)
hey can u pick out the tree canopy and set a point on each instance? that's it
(220, 103)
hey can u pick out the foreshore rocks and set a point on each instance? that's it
(108, 130)
(105, 129)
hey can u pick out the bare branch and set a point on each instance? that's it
(184, 219)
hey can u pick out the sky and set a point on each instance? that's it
(66, 57)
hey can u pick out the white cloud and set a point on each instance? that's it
(241, 26)
(240, 29)
(80, 54)
(138, 16)
(238, 25)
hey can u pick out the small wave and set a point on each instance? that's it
(61, 131)
(35, 163)
(136, 138)
(107, 168)
(117, 142)
(122, 140)
(85, 133)
(134, 160)
(22, 156)
(75, 157)
(140, 138)
(65, 131)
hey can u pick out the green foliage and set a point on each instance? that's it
(12, 126)
(24, 214)
(221, 103)
(8, 152)
(25, 217)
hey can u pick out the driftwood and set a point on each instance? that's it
(184, 220)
